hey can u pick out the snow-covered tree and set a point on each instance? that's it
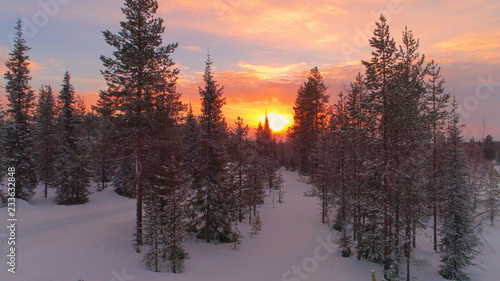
(46, 135)
(256, 225)
(309, 118)
(165, 216)
(266, 150)
(102, 150)
(72, 176)
(240, 152)
(436, 101)
(139, 77)
(212, 186)
(18, 139)
(459, 238)
(492, 184)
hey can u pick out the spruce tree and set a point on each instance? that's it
(191, 136)
(436, 101)
(139, 78)
(266, 150)
(102, 151)
(46, 134)
(379, 81)
(212, 185)
(18, 139)
(239, 151)
(459, 238)
(489, 148)
(72, 176)
(309, 118)
(492, 185)
(165, 215)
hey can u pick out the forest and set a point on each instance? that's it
(386, 160)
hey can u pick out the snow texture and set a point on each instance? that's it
(92, 242)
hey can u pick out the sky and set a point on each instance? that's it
(263, 49)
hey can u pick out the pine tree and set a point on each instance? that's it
(255, 183)
(379, 78)
(139, 77)
(212, 185)
(191, 137)
(436, 101)
(266, 150)
(236, 236)
(309, 118)
(459, 240)
(72, 176)
(165, 215)
(239, 150)
(18, 139)
(102, 150)
(278, 183)
(489, 148)
(492, 192)
(46, 134)
(256, 225)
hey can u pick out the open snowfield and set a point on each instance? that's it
(93, 242)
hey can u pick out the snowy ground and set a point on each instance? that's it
(93, 242)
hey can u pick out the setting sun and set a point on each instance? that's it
(277, 121)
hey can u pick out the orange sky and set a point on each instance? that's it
(263, 49)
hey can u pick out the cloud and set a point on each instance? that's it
(193, 48)
(471, 48)
(278, 22)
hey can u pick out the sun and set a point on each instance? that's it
(277, 121)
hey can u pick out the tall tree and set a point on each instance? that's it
(240, 154)
(309, 117)
(102, 140)
(459, 239)
(436, 101)
(212, 185)
(18, 140)
(492, 184)
(266, 150)
(165, 218)
(139, 77)
(72, 176)
(46, 134)
(379, 77)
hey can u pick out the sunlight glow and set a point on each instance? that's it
(277, 121)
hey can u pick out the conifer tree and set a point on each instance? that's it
(72, 176)
(489, 148)
(239, 150)
(102, 151)
(191, 137)
(436, 101)
(266, 150)
(492, 192)
(459, 239)
(309, 118)
(165, 215)
(46, 134)
(256, 225)
(212, 186)
(379, 80)
(18, 139)
(139, 78)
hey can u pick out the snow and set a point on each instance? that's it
(93, 242)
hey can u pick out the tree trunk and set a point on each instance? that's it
(138, 169)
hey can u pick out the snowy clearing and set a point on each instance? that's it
(93, 242)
